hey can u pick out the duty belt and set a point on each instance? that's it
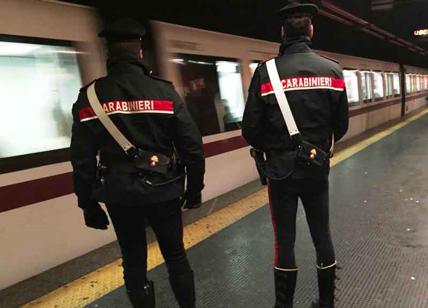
(144, 162)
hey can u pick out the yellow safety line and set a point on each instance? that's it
(92, 286)
(352, 150)
(109, 277)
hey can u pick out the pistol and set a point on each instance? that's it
(259, 158)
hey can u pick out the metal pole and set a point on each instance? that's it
(403, 89)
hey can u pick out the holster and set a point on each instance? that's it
(151, 161)
(124, 183)
(311, 154)
(260, 160)
(98, 192)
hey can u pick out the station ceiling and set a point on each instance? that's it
(401, 17)
(258, 19)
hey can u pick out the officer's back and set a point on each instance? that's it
(143, 107)
(148, 111)
(316, 93)
(145, 155)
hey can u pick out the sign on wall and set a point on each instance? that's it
(421, 33)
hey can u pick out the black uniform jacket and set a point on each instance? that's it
(150, 113)
(315, 90)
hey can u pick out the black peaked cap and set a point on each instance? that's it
(298, 8)
(123, 29)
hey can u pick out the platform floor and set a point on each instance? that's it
(379, 213)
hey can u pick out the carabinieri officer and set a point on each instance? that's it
(316, 94)
(146, 181)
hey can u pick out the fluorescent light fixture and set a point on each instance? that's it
(69, 52)
(200, 62)
(178, 61)
(16, 49)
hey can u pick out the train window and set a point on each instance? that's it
(367, 85)
(378, 88)
(389, 84)
(38, 85)
(213, 92)
(408, 84)
(396, 83)
(418, 83)
(413, 79)
(351, 82)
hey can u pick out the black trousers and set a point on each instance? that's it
(283, 199)
(129, 225)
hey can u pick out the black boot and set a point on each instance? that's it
(144, 297)
(183, 287)
(285, 284)
(326, 287)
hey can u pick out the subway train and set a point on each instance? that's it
(52, 50)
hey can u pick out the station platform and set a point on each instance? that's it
(379, 213)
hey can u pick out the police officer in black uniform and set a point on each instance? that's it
(149, 112)
(315, 90)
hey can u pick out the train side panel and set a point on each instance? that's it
(40, 236)
(37, 237)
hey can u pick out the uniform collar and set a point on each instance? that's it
(296, 45)
(125, 63)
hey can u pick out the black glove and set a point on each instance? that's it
(191, 201)
(95, 217)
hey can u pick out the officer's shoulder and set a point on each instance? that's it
(263, 64)
(329, 63)
(82, 100)
(329, 58)
(164, 81)
(85, 87)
